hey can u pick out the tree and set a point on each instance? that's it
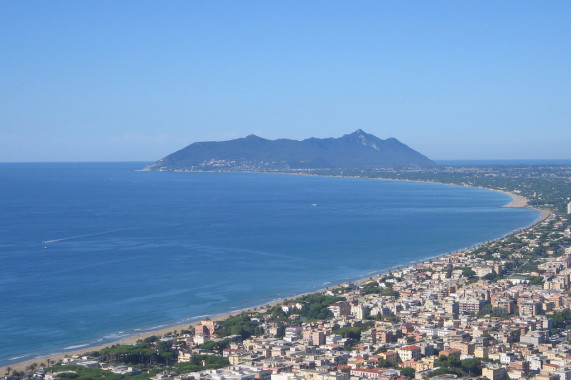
(515, 335)
(351, 332)
(216, 345)
(408, 372)
(382, 363)
(562, 319)
(493, 277)
(449, 361)
(472, 366)
(281, 332)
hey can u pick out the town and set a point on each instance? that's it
(500, 310)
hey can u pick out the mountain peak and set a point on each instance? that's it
(358, 132)
(364, 139)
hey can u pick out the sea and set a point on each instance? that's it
(94, 252)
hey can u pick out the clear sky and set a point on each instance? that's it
(136, 80)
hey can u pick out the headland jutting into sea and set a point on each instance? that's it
(518, 201)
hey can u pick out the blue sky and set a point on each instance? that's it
(137, 80)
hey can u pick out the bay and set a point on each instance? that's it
(91, 252)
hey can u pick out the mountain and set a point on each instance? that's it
(358, 150)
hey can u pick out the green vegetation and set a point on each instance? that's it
(382, 363)
(149, 352)
(562, 319)
(240, 325)
(354, 332)
(315, 307)
(197, 363)
(461, 368)
(407, 372)
(493, 277)
(535, 280)
(372, 288)
(466, 272)
(201, 362)
(350, 332)
(83, 373)
(280, 333)
(217, 346)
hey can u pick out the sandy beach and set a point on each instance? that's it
(522, 202)
(517, 202)
(21, 366)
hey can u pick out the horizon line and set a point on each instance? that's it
(547, 160)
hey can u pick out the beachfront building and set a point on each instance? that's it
(205, 328)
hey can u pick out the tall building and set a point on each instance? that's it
(205, 327)
(470, 305)
(318, 338)
(569, 208)
(409, 353)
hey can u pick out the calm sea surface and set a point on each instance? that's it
(92, 252)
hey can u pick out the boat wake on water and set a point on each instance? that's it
(84, 236)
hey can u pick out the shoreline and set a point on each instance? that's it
(518, 201)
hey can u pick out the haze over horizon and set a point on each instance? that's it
(135, 81)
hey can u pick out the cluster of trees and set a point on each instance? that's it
(492, 277)
(149, 352)
(466, 272)
(462, 368)
(407, 372)
(315, 307)
(350, 332)
(201, 362)
(218, 346)
(374, 288)
(562, 319)
(493, 311)
(242, 325)
(535, 280)
(197, 363)
(83, 373)
(354, 332)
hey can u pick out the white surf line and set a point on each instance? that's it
(83, 236)
(19, 357)
(75, 347)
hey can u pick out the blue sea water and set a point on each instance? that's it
(91, 252)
